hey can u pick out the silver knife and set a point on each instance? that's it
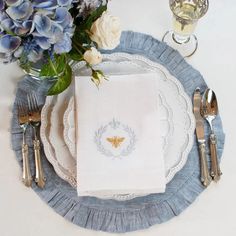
(205, 175)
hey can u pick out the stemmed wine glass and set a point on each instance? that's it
(186, 14)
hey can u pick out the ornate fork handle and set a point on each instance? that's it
(26, 175)
(39, 173)
(35, 121)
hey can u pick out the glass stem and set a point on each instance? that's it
(180, 39)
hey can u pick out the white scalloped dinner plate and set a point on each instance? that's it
(51, 133)
(177, 120)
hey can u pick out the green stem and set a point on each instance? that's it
(79, 45)
(77, 49)
(89, 66)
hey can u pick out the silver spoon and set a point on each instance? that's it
(210, 111)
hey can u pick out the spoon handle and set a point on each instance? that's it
(215, 168)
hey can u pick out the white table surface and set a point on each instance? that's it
(213, 213)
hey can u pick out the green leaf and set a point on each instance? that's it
(47, 70)
(55, 67)
(62, 83)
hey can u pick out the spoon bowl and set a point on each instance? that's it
(209, 106)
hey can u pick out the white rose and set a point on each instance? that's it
(106, 31)
(93, 56)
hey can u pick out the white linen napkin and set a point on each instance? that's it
(118, 136)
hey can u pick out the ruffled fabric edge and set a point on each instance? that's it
(123, 220)
(126, 220)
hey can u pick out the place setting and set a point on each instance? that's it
(113, 129)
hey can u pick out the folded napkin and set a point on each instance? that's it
(119, 147)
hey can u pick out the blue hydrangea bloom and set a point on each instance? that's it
(45, 25)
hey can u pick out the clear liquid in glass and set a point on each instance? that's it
(185, 20)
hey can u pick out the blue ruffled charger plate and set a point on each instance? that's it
(142, 212)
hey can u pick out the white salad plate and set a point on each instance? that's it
(177, 120)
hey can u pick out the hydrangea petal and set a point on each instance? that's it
(2, 5)
(64, 45)
(56, 33)
(21, 12)
(13, 2)
(42, 24)
(49, 5)
(18, 52)
(9, 43)
(27, 24)
(3, 16)
(7, 24)
(64, 3)
(35, 55)
(43, 43)
(21, 31)
(63, 17)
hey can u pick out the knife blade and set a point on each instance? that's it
(204, 171)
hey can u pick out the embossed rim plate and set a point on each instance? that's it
(138, 61)
(69, 127)
(49, 149)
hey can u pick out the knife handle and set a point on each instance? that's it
(215, 168)
(205, 176)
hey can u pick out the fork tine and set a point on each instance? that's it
(28, 100)
(32, 102)
(25, 109)
(35, 101)
(19, 108)
(30, 105)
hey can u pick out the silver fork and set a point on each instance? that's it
(35, 121)
(23, 119)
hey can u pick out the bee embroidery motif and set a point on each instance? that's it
(116, 141)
